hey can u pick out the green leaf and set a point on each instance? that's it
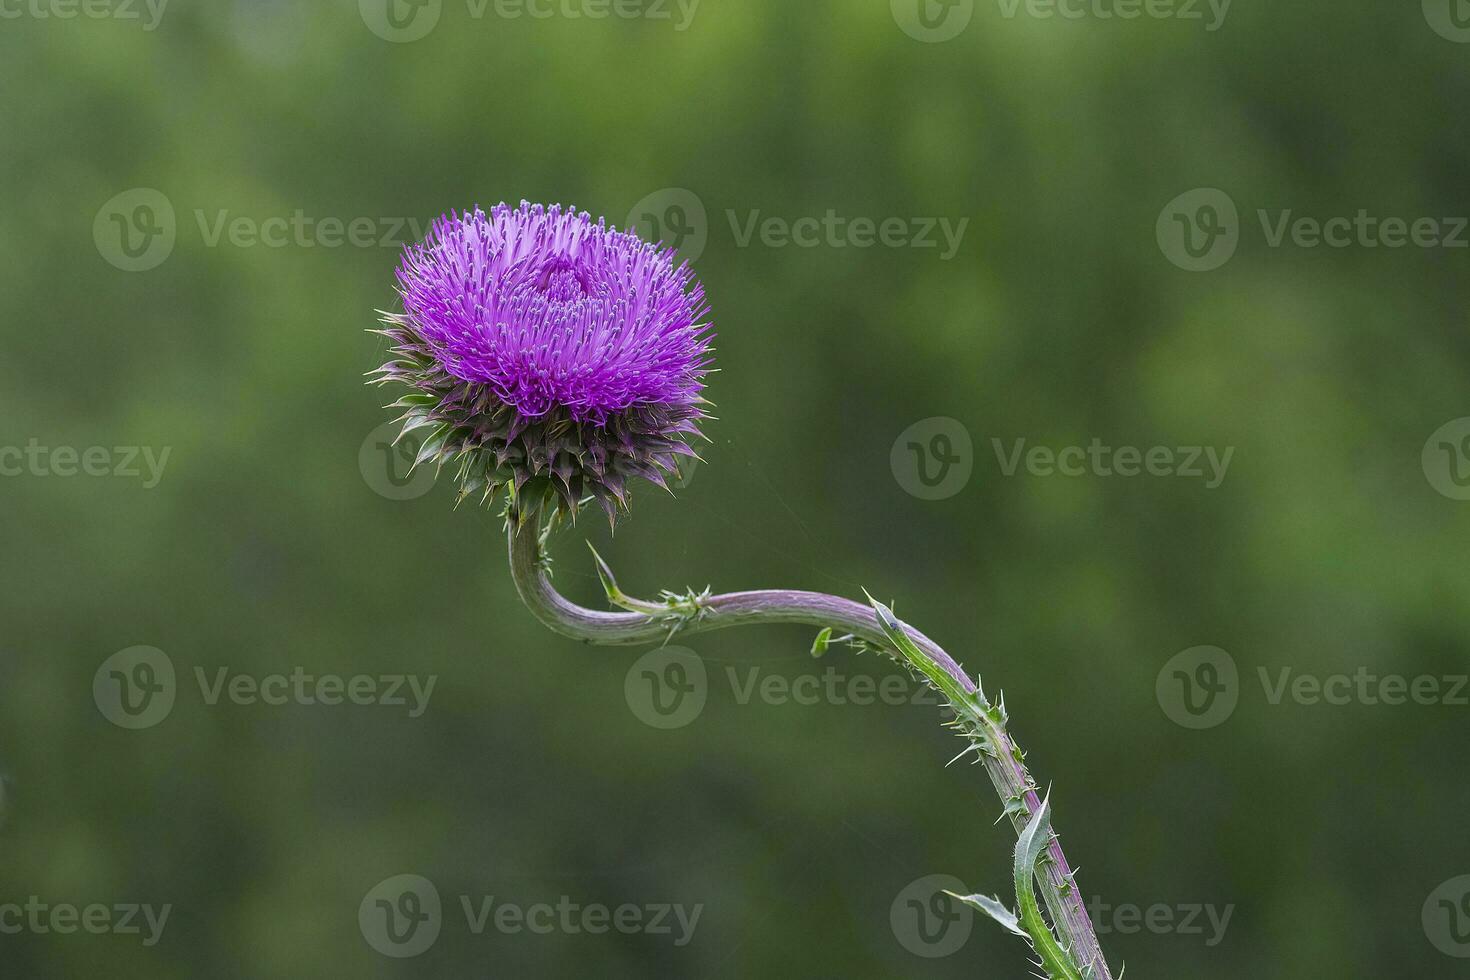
(1030, 847)
(994, 908)
(617, 596)
(898, 636)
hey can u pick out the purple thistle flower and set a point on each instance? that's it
(548, 355)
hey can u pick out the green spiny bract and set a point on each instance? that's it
(551, 464)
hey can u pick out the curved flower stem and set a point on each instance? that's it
(650, 622)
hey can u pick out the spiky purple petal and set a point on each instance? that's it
(548, 350)
(550, 310)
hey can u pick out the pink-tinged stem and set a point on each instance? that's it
(1007, 772)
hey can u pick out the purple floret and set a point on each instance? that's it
(548, 356)
(548, 309)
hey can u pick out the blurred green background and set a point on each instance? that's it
(269, 542)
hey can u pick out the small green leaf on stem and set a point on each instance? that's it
(898, 636)
(994, 908)
(1030, 847)
(615, 595)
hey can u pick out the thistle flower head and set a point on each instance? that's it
(548, 355)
